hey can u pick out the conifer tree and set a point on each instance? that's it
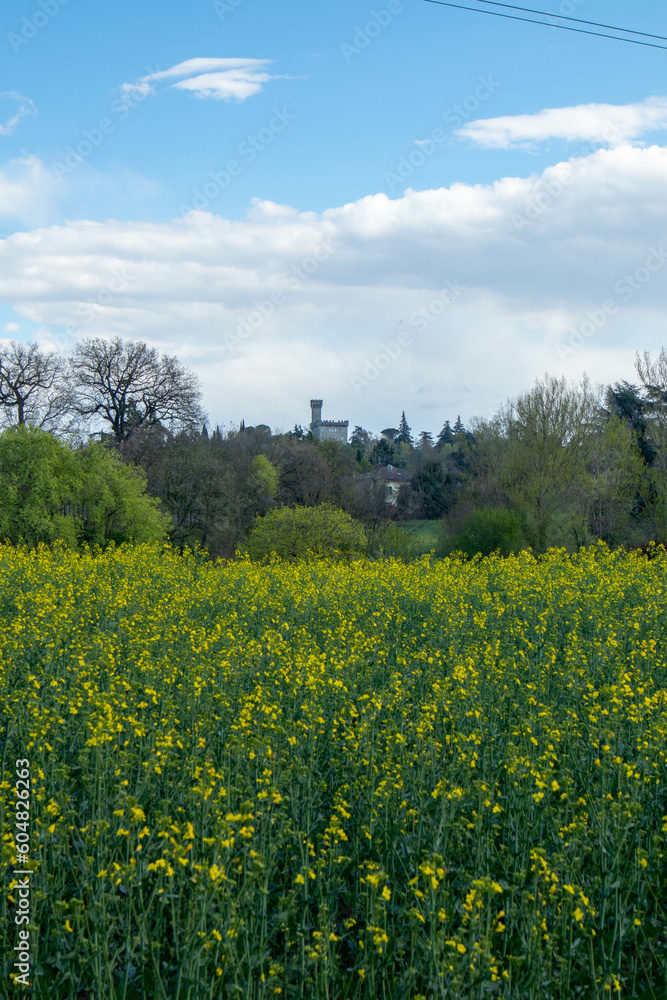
(404, 435)
(446, 435)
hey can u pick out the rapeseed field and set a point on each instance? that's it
(442, 779)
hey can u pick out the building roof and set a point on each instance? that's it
(389, 473)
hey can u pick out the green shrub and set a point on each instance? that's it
(50, 492)
(489, 530)
(38, 478)
(300, 532)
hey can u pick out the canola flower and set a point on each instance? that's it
(435, 780)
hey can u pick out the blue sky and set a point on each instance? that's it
(106, 243)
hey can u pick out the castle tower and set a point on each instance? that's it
(316, 412)
(326, 430)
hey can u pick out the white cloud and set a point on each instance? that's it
(220, 79)
(32, 195)
(27, 191)
(25, 109)
(612, 124)
(12, 327)
(535, 255)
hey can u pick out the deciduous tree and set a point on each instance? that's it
(548, 431)
(33, 386)
(50, 491)
(126, 385)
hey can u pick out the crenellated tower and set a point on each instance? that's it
(315, 412)
(326, 430)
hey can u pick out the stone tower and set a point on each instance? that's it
(316, 412)
(326, 430)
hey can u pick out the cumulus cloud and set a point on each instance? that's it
(27, 191)
(612, 124)
(218, 79)
(378, 302)
(25, 109)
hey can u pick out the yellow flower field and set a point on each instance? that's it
(383, 780)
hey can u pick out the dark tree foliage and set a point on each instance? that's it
(440, 484)
(361, 441)
(304, 474)
(486, 531)
(431, 485)
(383, 452)
(360, 437)
(320, 472)
(446, 436)
(626, 401)
(212, 488)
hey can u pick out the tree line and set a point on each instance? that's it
(122, 385)
(563, 463)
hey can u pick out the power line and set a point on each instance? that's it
(545, 24)
(576, 20)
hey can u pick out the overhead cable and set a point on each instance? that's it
(546, 24)
(576, 20)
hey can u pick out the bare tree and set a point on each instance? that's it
(653, 374)
(33, 386)
(127, 385)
